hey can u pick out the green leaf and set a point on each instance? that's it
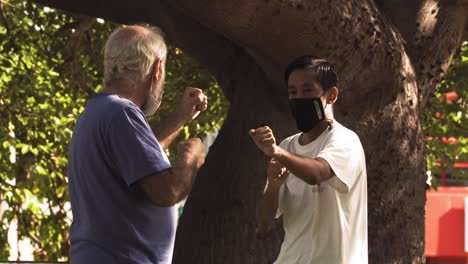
(24, 149)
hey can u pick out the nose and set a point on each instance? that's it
(297, 94)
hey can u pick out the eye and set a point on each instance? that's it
(292, 92)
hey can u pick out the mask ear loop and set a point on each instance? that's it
(150, 90)
(330, 121)
(330, 124)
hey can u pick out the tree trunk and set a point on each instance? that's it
(218, 223)
(390, 56)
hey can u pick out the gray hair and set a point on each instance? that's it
(131, 54)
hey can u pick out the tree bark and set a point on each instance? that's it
(390, 57)
(218, 223)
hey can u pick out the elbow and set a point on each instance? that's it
(315, 174)
(259, 220)
(168, 202)
(164, 189)
(164, 201)
(173, 197)
(314, 179)
(311, 180)
(168, 198)
(263, 222)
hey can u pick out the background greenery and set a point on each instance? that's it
(51, 63)
(445, 122)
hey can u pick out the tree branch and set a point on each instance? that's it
(84, 25)
(432, 30)
(2, 14)
(402, 13)
(275, 32)
(8, 30)
(213, 50)
(438, 36)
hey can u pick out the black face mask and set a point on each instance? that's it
(308, 112)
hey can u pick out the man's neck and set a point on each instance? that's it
(134, 93)
(309, 136)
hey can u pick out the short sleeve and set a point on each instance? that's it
(134, 148)
(344, 154)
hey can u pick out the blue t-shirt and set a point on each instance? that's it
(112, 148)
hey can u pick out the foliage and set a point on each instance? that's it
(182, 72)
(446, 121)
(48, 61)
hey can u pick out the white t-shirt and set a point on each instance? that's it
(326, 223)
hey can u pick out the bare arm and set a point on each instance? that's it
(168, 129)
(312, 171)
(193, 102)
(168, 187)
(267, 206)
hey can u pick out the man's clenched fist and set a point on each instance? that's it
(264, 139)
(193, 102)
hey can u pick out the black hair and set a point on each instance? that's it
(325, 71)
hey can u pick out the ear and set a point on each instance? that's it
(158, 69)
(332, 95)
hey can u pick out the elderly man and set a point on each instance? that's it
(123, 189)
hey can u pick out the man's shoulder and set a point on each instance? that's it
(343, 132)
(109, 105)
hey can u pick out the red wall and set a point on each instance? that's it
(445, 225)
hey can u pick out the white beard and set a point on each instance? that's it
(154, 99)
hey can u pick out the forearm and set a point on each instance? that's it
(307, 169)
(168, 129)
(168, 187)
(267, 207)
(185, 170)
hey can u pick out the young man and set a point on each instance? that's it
(317, 178)
(123, 189)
